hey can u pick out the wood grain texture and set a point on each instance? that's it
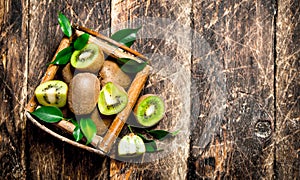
(232, 70)
(13, 88)
(287, 90)
(240, 60)
(50, 158)
(163, 40)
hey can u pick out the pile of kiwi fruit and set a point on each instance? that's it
(95, 87)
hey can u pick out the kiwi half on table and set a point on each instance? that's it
(112, 99)
(149, 110)
(89, 59)
(131, 146)
(52, 93)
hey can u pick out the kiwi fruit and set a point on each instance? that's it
(83, 93)
(111, 72)
(89, 59)
(52, 93)
(66, 112)
(112, 99)
(102, 122)
(131, 146)
(149, 110)
(67, 73)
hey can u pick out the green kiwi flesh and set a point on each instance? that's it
(52, 93)
(131, 146)
(90, 58)
(112, 99)
(149, 110)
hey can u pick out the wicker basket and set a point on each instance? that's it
(100, 145)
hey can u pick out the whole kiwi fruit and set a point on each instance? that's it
(67, 73)
(102, 122)
(111, 72)
(83, 94)
(88, 59)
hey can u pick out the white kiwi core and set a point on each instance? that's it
(109, 99)
(85, 55)
(51, 95)
(150, 110)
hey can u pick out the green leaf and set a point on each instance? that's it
(126, 36)
(144, 138)
(162, 134)
(175, 132)
(131, 66)
(150, 145)
(77, 134)
(81, 41)
(65, 24)
(63, 56)
(49, 114)
(88, 128)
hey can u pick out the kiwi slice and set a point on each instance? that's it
(131, 145)
(112, 99)
(90, 58)
(149, 110)
(52, 93)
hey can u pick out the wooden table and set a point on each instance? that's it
(242, 59)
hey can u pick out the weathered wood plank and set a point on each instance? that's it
(233, 115)
(287, 90)
(233, 95)
(165, 39)
(45, 154)
(48, 157)
(13, 87)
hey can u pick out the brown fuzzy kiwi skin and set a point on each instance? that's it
(67, 73)
(96, 65)
(140, 100)
(66, 112)
(83, 93)
(102, 122)
(111, 72)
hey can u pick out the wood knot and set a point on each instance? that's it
(263, 129)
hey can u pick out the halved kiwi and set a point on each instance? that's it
(131, 145)
(149, 110)
(52, 93)
(90, 58)
(112, 99)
